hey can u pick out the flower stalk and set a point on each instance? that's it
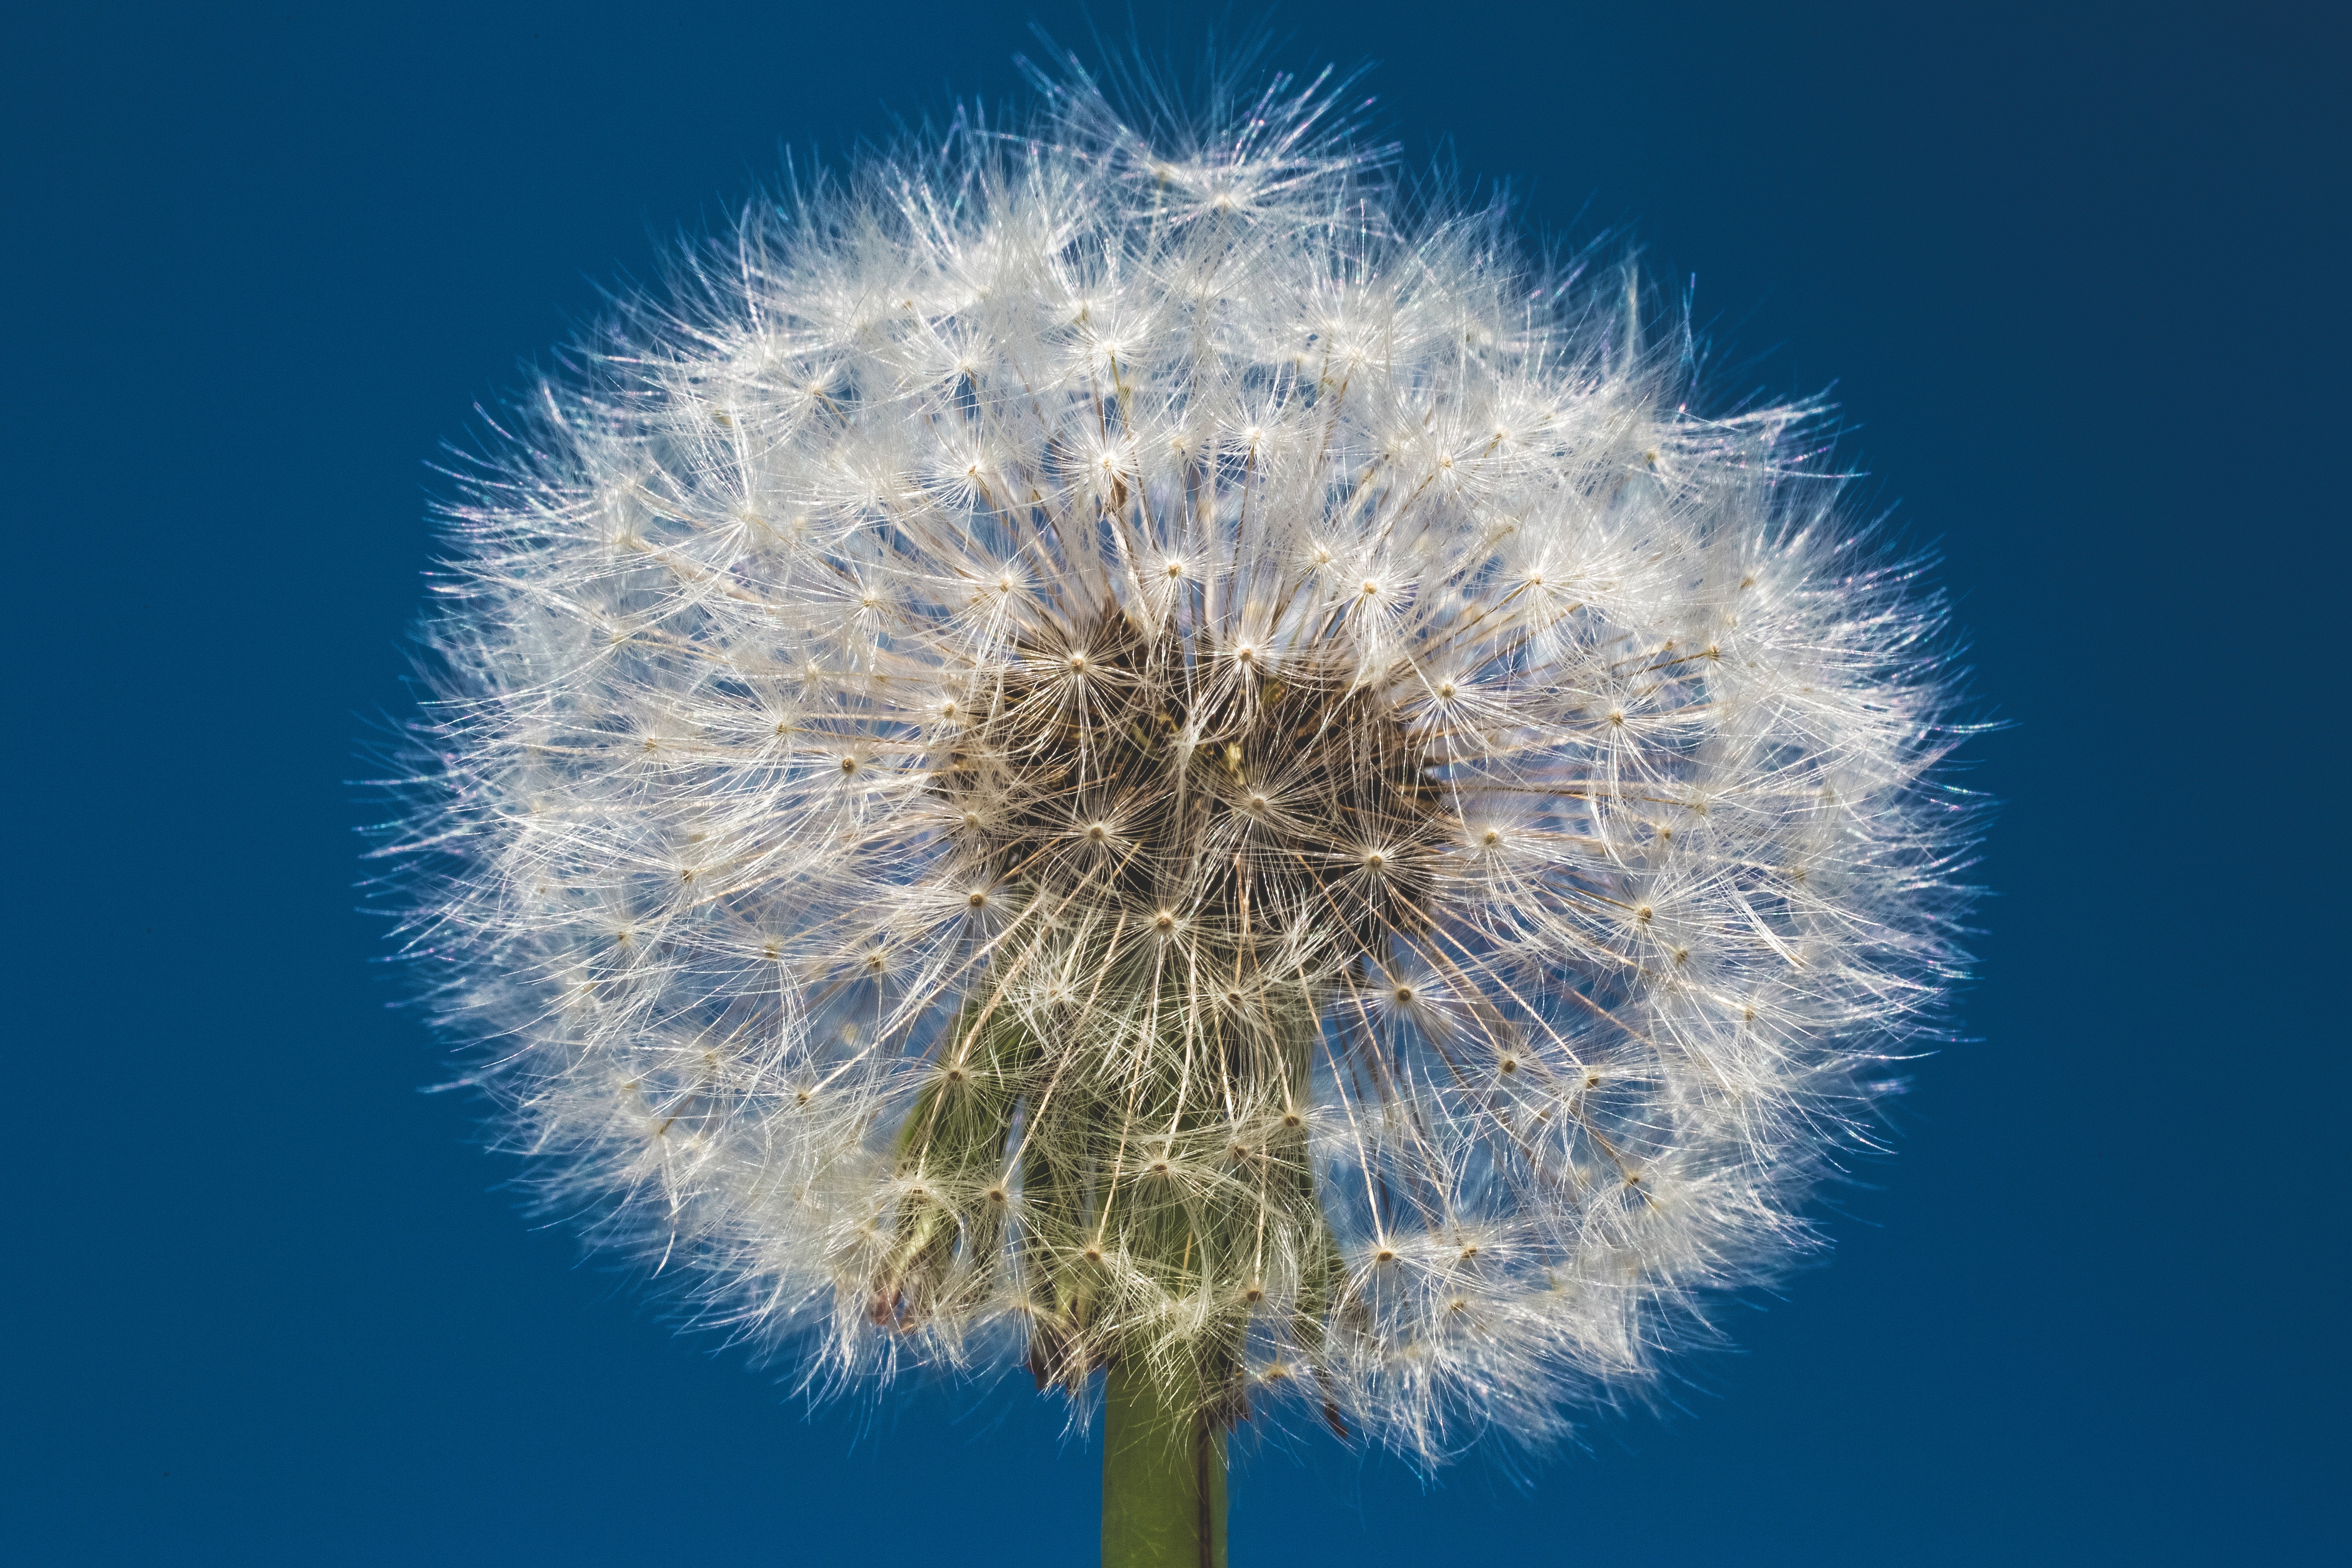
(1163, 1498)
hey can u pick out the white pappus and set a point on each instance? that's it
(1109, 742)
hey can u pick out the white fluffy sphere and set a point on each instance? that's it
(1104, 744)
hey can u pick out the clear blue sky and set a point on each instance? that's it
(269, 1303)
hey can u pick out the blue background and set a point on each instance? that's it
(268, 1303)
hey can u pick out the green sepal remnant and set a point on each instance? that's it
(957, 1191)
(1163, 1498)
(1098, 1180)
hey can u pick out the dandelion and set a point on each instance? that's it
(1108, 747)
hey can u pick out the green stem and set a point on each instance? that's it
(1163, 1501)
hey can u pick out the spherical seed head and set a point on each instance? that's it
(1210, 811)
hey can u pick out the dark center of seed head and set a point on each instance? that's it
(1179, 747)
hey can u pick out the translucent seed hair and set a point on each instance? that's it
(1106, 742)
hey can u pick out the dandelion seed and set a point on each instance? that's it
(1110, 825)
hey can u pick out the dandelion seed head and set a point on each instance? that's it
(1276, 803)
